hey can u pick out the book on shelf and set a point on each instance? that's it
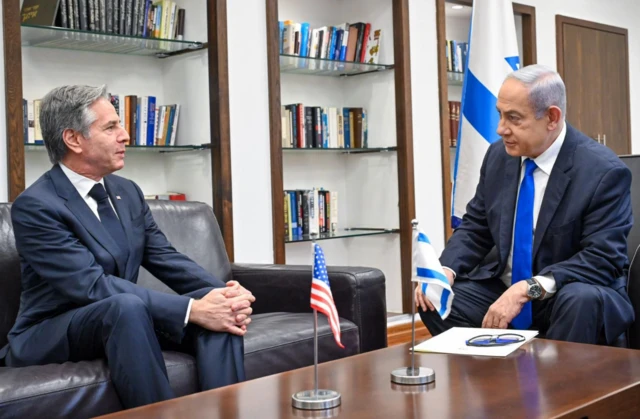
(457, 54)
(324, 127)
(147, 123)
(31, 121)
(310, 211)
(142, 18)
(355, 42)
(39, 12)
(454, 123)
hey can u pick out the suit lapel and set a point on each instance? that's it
(509, 193)
(83, 213)
(122, 209)
(556, 187)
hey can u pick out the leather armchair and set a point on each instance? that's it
(280, 337)
(633, 289)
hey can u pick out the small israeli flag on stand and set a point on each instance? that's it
(493, 54)
(428, 271)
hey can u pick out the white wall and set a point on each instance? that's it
(249, 109)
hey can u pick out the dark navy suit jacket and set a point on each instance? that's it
(70, 260)
(581, 231)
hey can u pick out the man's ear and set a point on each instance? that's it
(72, 140)
(554, 114)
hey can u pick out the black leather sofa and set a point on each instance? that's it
(280, 337)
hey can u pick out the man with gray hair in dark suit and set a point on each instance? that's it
(82, 234)
(543, 242)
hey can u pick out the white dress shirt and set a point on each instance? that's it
(545, 162)
(83, 185)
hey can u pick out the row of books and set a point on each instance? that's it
(310, 211)
(145, 18)
(169, 196)
(454, 123)
(355, 42)
(146, 123)
(323, 127)
(457, 54)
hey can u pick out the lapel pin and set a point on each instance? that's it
(118, 197)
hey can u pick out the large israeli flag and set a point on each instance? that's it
(493, 53)
(428, 271)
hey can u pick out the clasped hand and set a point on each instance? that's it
(224, 309)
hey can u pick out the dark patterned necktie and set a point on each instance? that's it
(108, 217)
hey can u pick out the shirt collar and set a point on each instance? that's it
(546, 160)
(82, 184)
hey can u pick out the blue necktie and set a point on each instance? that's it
(523, 240)
(108, 217)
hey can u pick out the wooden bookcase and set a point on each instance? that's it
(199, 166)
(526, 28)
(376, 185)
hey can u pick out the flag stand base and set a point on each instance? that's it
(419, 375)
(316, 399)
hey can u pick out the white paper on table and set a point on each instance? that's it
(453, 341)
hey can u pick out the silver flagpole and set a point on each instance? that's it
(315, 350)
(315, 399)
(412, 375)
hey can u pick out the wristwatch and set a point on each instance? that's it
(535, 290)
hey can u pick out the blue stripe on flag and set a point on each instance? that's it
(424, 288)
(430, 273)
(423, 238)
(455, 222)
(479, 108)
(514, 62)
(444, 299)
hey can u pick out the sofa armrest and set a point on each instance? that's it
(359, 294)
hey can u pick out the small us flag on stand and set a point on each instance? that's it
(321, 301)
(321, 297)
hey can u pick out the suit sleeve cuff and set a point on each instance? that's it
(186, 318)
(450, 270)
(548, 283)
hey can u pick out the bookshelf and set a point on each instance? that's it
(453, 24)
(324, 67)
(77, 40)
(375, 185)
(139, 148)
(38, 58)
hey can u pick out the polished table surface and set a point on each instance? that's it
(543, 378)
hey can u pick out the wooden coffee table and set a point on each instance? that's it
(543, 378)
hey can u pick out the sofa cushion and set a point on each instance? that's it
(77, 389)
(278, 342)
